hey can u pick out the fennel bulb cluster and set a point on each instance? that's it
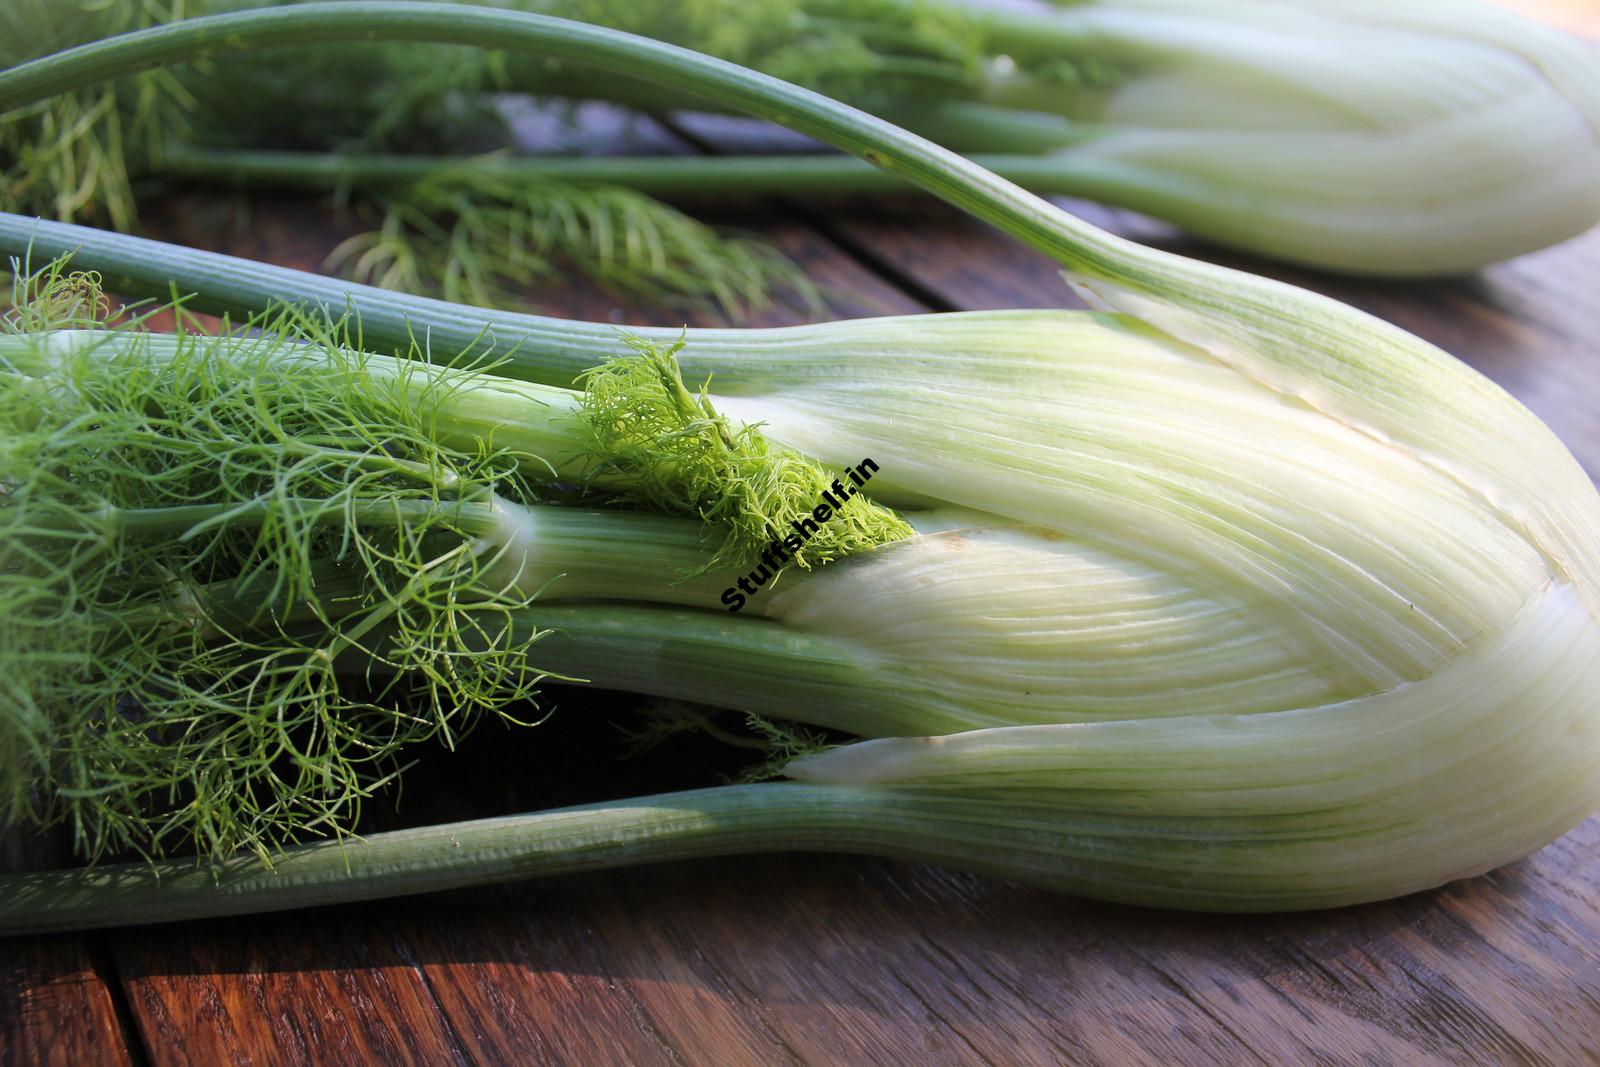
(1205, 635)
(1226, 596)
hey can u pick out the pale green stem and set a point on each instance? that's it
(712, 822)
(144, 522)
(778, 175)
(1024, 37)
(574, 553)
(1034, 838)
(560, 553)
(534, 421)
(1030, 148)
(740, 662)
(1038, 37)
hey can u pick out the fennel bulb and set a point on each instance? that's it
(1342, 648)
(1378, 138)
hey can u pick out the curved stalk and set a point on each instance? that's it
(776, 175)
(707, 822)
(1211, 864)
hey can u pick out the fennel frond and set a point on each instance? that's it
(677, 455)
(190, 540)
(76, 156)
(475, 237)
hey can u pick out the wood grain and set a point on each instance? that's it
(55, 1007)
(338, 990)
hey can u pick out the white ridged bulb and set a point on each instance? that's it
(1422, 137)
(1257, 592)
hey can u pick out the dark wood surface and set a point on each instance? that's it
(833, 960)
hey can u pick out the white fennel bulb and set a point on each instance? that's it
(1397, 139)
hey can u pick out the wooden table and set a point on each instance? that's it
(838, 960)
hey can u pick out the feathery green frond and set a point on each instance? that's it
(777, 744)
(54, 298)
(681, 457)
(864, 51)
(378, 97)
(190, 540)
(76, 156)
(784, 742)
(473, 236)
(665, 719)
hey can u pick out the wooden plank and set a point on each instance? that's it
(56, 1007)
(537, 968)
(338, 989)
(836, 960)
